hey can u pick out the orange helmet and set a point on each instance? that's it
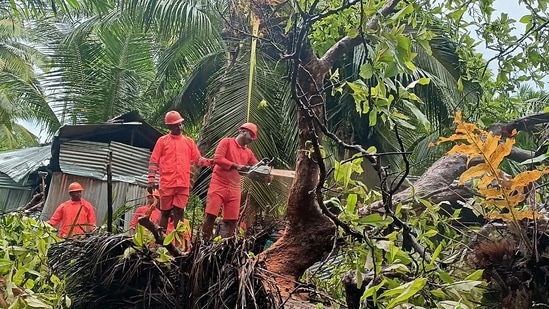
(250, 127)
(155, 193)
(75, 186)
(173, 117)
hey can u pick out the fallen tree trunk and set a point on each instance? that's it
(439, 183)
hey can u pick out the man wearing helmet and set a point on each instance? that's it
(171, 158)
(75, 216)
(231, 157)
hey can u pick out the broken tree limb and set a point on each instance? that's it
(159, 238)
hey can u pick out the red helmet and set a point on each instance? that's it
(250, 127)
(173, 117)
(75, 186)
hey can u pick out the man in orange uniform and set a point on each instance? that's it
(75, 216)
(231, 157)
(172, 157)
(142, 211)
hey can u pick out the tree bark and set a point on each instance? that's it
(309, 232)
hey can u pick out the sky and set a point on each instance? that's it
(511, 7)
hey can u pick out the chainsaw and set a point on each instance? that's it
(262, 171)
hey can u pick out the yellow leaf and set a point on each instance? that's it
(509, 202)
(458, 117)
(490, 145)
(465, 149)
(491, 193)
(486, 181)
(515, 199)
(501, 152)
(475, 171)
(515, 215)
(525, 178)
(452, 138)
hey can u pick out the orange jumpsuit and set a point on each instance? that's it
(141, 211)
(225, 184)
(172, 157)
(81, 214)
(155, 217)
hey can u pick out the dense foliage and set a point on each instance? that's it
(408, 66)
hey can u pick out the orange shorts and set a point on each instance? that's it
(228, 197)
(173, 197)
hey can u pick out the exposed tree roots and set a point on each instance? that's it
(517, 272)
(219, 275)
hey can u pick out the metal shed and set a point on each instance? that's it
(81, 153)
(18, 178)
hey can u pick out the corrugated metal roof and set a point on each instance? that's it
(83, 158)
(18, 164)
(129, 128)
(130, 164)
(11, 198)
(90, 159)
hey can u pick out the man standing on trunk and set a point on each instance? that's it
(231, 157)
(171, 158)
(75, 216)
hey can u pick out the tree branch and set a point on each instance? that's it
(346, 43)
(522, 124)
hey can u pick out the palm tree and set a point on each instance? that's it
(21, 94)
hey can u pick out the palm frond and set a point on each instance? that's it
(110, 271)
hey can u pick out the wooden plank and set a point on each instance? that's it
(282, 173)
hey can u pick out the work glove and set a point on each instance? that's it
(208, 162)
(150, 187)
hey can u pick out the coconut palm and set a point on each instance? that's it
(21, 95)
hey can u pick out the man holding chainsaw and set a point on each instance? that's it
(232, 157)
(172, 157)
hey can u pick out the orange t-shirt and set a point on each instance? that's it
(228, 152)
(141, 211)
(172, 157)
(81, 214)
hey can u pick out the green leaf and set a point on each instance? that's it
(366, 71)
(404, 292)
(418, 114)
(169, 238)
(476, 275)
(5, 266)
(444, 276)
(460, 84)
(371, 150)
(465, 285)
(450, 304)
(375, 220)
(421, 81)
(403, 12)
(351, 202)
(372, 291)
(437, 252)
(525, 19)
(439, 293)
